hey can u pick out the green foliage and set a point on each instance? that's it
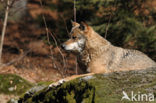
(146, 40)
(128, 24)
(13, 84)
(125, 27)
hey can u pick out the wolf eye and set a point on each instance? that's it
(74, 37)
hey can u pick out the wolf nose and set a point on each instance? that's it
(62, 46)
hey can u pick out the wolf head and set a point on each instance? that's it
(78, 37)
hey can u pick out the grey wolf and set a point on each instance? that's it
(99, 55)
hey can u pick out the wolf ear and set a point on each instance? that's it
(74, 23)
(84, 26)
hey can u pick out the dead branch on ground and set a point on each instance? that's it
(16, 59)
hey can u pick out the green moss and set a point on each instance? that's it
(109, 87)
(13, 84)
(44, 83)
(99, 89)
(70, 97)
(71, 92)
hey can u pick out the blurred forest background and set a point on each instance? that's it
(34, 54)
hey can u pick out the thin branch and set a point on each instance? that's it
(47, 32)
(4, 29)
(64, 61)
(52, 57)
(76, 68)
(110, 17)
(12, 3)
(16, 11)
(108, 26)
(75, 10)
(16, 59)
(65, 25)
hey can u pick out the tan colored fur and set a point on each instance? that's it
(100, 56)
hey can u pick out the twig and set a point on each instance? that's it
(110, 17)
(16, 11)
(12, 3)
(53, 59)
(59, 49)
(16, 60)
(108, 26)
(64, 60)
(76, 69)
(47, 32)
(65, 25)
(4, 29)
(74, 10)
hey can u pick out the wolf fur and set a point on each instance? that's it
(100, 56)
